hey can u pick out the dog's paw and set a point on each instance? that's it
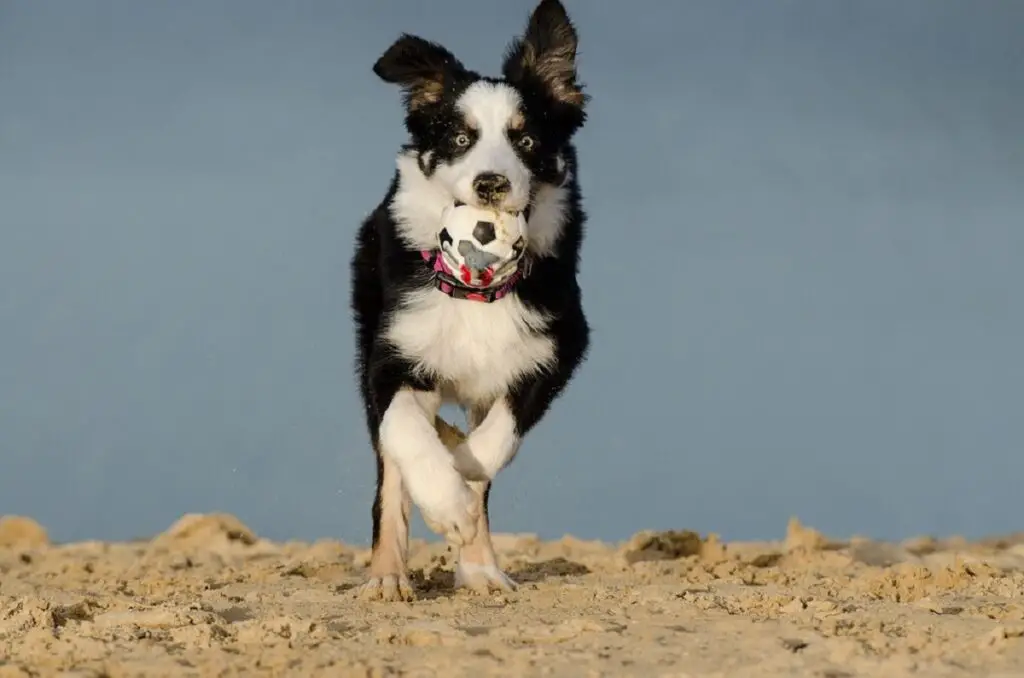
(482, 579)
(389, 588)
(451, 509)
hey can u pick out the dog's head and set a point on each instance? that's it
(492, 142)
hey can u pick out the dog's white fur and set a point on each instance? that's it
(408, 436)
(478, 349)
(490, 446)
(420, 199)
(488, 108)
(469, 575)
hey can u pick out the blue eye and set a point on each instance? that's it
(526, 142)
(462, 139)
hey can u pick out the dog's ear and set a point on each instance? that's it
(547, 53)
(420, 67)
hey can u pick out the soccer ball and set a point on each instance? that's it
(481, 247)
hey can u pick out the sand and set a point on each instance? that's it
(211, 598)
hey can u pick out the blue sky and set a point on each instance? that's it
(803, 265)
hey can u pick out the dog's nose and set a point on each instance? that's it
(491, 187)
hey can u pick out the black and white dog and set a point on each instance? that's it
(502, 143)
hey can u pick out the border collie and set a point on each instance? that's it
(501, 355)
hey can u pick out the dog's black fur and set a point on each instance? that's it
(384, 270)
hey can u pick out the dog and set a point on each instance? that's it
(502, 355)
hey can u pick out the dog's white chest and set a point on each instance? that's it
(477, 349)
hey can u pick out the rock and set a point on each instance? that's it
(81, 611)
(668, 545)
(21, 532)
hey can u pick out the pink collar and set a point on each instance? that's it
(446, 281)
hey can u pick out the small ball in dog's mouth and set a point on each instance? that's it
(525, 211)
(481, 246)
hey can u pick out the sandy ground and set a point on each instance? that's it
(210, 598)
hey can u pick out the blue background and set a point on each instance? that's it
(803, 266)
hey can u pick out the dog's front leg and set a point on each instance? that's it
(490, 445)
(408, 437)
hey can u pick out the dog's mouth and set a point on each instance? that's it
(525, 211)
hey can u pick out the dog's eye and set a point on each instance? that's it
(526, 142)
(462, 139)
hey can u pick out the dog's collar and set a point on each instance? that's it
(446, 282)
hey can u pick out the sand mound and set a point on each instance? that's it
(20, 532)
(212, 531)
(209, 597)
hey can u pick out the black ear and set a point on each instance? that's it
(547, 53)
(420, 67)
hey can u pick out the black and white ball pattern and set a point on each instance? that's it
(482, 247)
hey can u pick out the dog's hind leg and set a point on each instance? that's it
(388, 579)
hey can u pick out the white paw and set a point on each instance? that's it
(389, 588)
(482, 579)
(449, 507)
